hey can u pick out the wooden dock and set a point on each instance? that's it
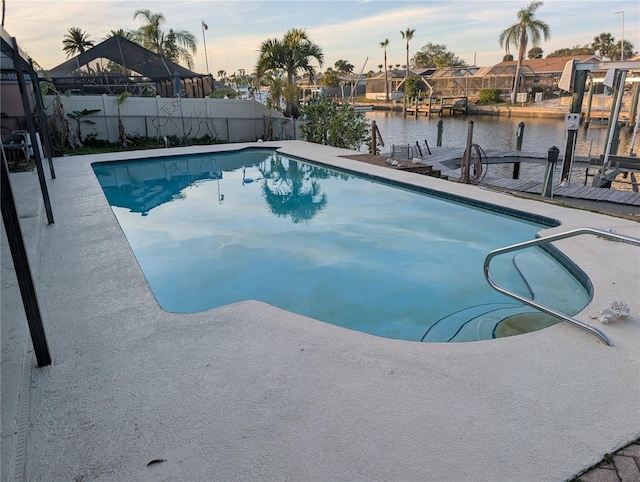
(435, 166)
(575, 192)
(437, 106)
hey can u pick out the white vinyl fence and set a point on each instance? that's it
(225, 120)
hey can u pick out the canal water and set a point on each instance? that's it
(498, 132)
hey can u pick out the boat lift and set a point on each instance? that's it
(573, 79)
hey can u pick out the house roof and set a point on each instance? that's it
(128, 54)
(547, 65)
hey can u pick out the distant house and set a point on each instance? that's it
(395, 79)
(119, 65)
(537, 74)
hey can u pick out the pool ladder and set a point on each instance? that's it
(535, 242)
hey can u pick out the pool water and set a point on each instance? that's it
(209, 230)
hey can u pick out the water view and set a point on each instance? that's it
(492, 132)
(498, 132)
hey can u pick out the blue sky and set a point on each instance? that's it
(345, 29)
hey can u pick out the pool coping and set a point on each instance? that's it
(291, 397)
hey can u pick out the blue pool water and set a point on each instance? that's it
(210, 230)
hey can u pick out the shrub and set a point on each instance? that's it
(489, 96)
(333, 125)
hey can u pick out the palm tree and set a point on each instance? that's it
(128, 34)
(408, 35)
(292, 55)
(603, 44)
(615, 53)
(384, 45)
(76, 42)
(519, 34)
(175, 45)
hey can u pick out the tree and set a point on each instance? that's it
(407, 35)
(628, 51)
(384, 46)
(535, 53)
(330, 79)
(518, 35)
(122, 133)
(507, 58)
(575, 50)
(435, 56)
(175, 45)
(128, 34)
(292, 55)
(413, 86)
(76, 42)
(603, 44)
(343, 67)
(79, 117)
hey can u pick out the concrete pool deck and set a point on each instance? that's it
(249, 391)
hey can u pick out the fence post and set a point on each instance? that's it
(439, 139)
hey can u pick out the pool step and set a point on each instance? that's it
(448, 327)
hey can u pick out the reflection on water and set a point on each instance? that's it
(292, 189)
(211, 230)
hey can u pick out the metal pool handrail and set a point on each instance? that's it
(535, 242)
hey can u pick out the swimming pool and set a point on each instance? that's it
(209, 230)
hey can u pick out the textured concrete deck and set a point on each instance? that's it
(249, 391)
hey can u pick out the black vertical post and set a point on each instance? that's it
(587, 117)
(576, 106)
(547, 185)
(23, 272)
(439, 139)
(466, 158)
(31, 128)
(519, 136)
(373, 138)
(42, 118)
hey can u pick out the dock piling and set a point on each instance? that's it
(549, 171)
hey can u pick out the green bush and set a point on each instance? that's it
(333, 125)
(489, 96)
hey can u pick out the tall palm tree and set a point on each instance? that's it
(384, 45)
(175, 45)
(408, 35)
(603, 44)
(519, 34)
(292, 55)
(76, 42)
